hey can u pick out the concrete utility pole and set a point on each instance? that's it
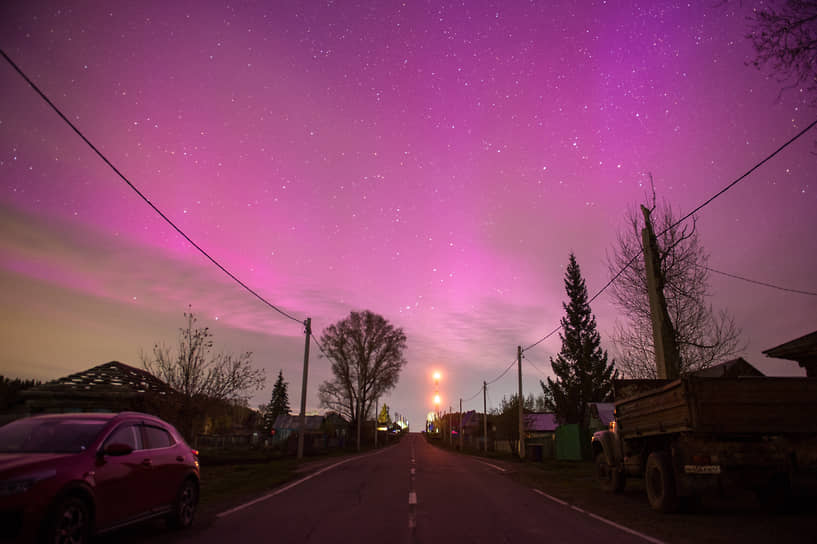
(460, 423)
(302, 422)
(485, 414)
(521, 406)
(358, 420)
(667, 357)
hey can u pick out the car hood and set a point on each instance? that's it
(15, 462)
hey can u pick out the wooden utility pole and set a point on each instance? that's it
(376, 417)
(667, 357)
(521, 405)
(302, 422)
(450, 425)
(460, 433)
(485, 414)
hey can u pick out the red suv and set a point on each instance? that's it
(64, 477)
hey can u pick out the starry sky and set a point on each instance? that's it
(433, 162)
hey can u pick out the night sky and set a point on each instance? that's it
(432, 162)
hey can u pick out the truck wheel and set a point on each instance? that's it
(610, 478)
(660, 483)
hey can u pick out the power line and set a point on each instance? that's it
(472, 397)
(510, 366)
(763, 283)
(138, 192)
(542, 372)
(690, 214)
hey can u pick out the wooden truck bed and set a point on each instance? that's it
(716, 405)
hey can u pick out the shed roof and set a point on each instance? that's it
(541, 422)
(604, 411)
(730, 369)
(292, 422)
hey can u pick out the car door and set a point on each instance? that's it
(121, 480)
(166, 474)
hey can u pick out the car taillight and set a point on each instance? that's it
(195, 452)
(701, 460)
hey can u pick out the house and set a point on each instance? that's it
(803, 350)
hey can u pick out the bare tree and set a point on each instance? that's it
(200, 376)
(785, 42)
(704, 336)
(366, 353)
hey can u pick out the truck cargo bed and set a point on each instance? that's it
(745, 405)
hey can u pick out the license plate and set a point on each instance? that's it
(702, 469)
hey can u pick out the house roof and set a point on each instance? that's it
(798, 349)
(291, 422)
(112, 377)
(541, 422)
(729, 369)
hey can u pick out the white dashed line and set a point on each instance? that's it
(413, 497)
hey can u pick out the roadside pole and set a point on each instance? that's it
(485, 415)
(521, 406)
(376, 416)
(460, 431)
(302, 422)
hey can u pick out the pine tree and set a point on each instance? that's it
(582, 372)
(384, 417)
(279, 403)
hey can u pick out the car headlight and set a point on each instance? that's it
(21, 485)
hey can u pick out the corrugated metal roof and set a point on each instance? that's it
(541, 422)
(112, 377)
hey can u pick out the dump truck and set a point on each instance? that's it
(693, 436)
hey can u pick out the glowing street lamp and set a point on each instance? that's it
(437, 400)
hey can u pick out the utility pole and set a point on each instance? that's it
(485, 415)
(376, 417)
(667, 357)
(358, 420)
(521, 406)
(302, 423)
(450, 425)
(460, 433)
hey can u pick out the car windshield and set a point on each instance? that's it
(49, 435)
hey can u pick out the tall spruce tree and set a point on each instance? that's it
(279, 403)
(582, 372)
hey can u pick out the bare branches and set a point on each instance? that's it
(785, 42)
(197, 373)
(704, 337)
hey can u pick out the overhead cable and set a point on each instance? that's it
(141, 195)
(690, 214)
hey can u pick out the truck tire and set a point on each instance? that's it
(660, 483)
(610, 478)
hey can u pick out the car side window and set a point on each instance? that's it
(156, 437)
(126, 434)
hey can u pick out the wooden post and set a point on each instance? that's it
(302, 422)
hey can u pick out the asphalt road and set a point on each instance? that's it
(408, 493)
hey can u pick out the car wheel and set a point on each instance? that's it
(70, 522)
(660, 483)
(185, 507)
(610, 478)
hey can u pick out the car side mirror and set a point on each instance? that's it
(117, 449)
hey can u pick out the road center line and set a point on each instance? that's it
(601, 519)
(293, 484)
(412, 497)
